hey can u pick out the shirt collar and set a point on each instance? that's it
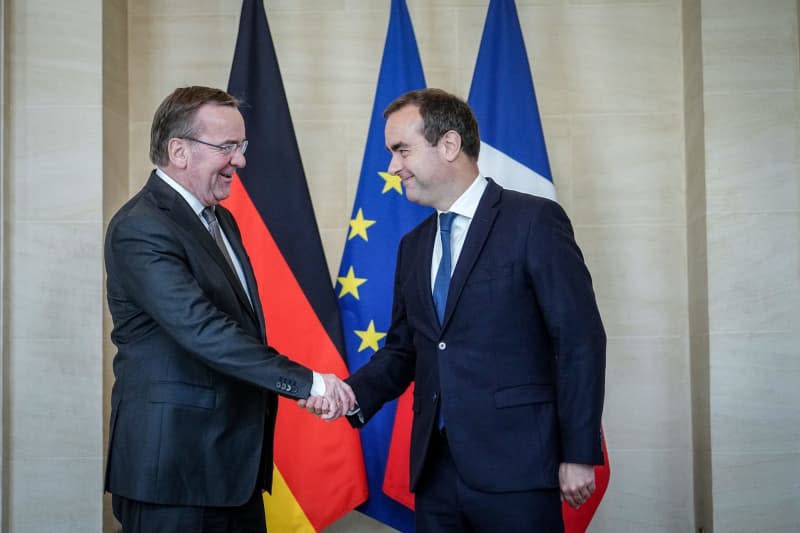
(193, 202)
(467, 203)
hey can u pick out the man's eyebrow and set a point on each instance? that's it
(396, 146)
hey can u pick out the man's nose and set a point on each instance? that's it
(395, 164)
(238, 160)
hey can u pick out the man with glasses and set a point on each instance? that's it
(194, 403)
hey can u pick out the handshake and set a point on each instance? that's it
(337, 400)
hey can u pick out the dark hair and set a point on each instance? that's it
(442, 112)
(175, 117)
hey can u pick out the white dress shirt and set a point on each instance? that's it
(464, 207)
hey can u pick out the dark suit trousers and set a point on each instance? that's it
(445, 504)
(140, 517)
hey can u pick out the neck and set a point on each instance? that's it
(460, 184)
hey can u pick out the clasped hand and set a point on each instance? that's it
(337, 400)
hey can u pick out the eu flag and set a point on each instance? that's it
(381, 216)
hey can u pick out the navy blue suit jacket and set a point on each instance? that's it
(194, 402)
(517, 367)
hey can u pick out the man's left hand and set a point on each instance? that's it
(577, 483)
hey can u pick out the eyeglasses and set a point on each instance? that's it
(226, 149)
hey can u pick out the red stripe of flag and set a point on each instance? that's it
(577, 520)
(396, 480)
(321, 463)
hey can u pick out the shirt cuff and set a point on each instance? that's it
(318, 385)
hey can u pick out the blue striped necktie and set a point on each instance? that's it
(441, 284)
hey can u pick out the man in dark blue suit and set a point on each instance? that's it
(495, 320)
(194, 402)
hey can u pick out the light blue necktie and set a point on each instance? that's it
(441, 284)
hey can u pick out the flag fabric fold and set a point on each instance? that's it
(318, 467)
(513, 152)
(381, 216)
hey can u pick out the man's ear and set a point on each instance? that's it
(178, 152)
(450, 145)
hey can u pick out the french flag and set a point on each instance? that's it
(514, 154)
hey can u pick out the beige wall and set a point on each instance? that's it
(53, 282)
(672, 128)
(752, 105)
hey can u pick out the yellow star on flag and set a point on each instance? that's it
(392, 182)
(350, 284)
(369, 337)
(359, 225)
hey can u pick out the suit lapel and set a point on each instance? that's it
(476, 237)
(229, 227)
(424, 283)
(182, 214)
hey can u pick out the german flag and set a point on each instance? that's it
(319, 470)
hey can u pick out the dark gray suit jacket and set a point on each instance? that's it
(518, 366)
(194, 403)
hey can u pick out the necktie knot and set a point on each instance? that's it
(446, 222)
(209, 215)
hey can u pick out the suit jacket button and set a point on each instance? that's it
(442, 345)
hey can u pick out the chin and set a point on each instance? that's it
(416, 197)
